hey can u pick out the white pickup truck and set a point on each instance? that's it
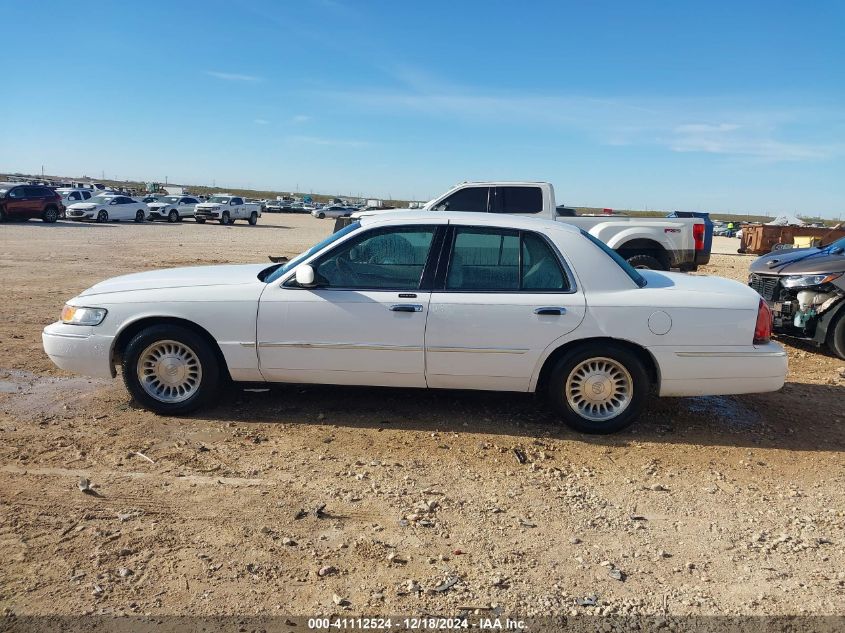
(656, 243)
(226, 208)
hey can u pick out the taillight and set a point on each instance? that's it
(698, 236)
(763, 328)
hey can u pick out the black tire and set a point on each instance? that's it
(646, 261)
(836, 337)
(200, 220)
(224, 219)
(637, 388)
(253, 218)
(210, 377)
(173, 216)
(102, 216)
(50, 215)
(139, 215)
(3, 217)
(321, 216)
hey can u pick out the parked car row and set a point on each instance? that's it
(25, 202)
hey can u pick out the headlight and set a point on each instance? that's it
(83, 316)
(806, 281)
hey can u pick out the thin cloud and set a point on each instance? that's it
(327, 142)
(301, 118)
(261, 121)
(729, 127)
(231, 76)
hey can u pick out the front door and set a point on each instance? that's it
(365, 321)
(18, 203)
(503, 299)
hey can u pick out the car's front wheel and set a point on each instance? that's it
(321, 216)
(173, 216)
(103, 216)
(836, 338)
(599, 388)
(199, 220)
(171, 370)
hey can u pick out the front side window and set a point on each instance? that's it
(384, 259)
(469, 199)
(503, 260)
(518, 200)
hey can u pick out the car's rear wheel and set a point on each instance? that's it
(598, 388)
(50, 215)
(253, 218)
(2, 215)
(836, 338)
(646, 262)
(173, 216)
(139, 215)
(171, 370)
(103, 216)
(224, 219)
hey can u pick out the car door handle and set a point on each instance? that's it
(406, 307)
(550, 311)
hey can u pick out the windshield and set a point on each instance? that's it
(840, 243)
(317, 247)
(169, 199)
(219, 199)
(100, 200)
(636, 277)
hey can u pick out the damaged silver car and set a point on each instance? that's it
(805, 288)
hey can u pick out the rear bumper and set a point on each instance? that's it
(79, 350)
(721, 371)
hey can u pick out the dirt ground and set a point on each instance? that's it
(723, 505)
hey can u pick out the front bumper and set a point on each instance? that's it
(208, 215)
(79, 349)
(76, 214)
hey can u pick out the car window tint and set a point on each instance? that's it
(519, 200)
(484, 259)
(17, 192)
(469, 199)
(540, 266)
(384, 259)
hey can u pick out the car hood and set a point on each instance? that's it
(83, 206)
(157, 205)
(179, 278)
(799, 261)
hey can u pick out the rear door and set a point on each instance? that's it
(502, 297)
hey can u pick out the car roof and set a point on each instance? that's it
(474, 219)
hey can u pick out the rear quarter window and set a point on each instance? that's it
(518, 200)
(635, 276)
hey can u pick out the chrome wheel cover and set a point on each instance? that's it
(599, 389)
(169, 371)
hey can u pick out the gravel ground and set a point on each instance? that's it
(721, 505)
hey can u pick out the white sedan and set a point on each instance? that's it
(333, 211)
(107, 207)
(452, 300)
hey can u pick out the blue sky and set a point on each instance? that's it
(721, 106)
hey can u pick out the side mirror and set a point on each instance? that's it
(305, 276)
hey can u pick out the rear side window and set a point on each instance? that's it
(469, 199)
(636, 277)
(518, 200)
(503, 260)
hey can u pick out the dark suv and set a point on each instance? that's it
(22, 202)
